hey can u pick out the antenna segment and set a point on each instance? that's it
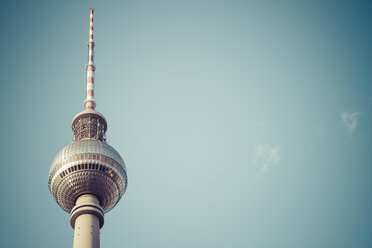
(89, 102)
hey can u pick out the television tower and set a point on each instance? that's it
(88, 177)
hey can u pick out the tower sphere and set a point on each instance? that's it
(88, 165)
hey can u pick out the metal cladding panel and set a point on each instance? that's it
(87, 167)
(86, 146)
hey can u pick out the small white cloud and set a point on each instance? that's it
(265, 157)
(350, 119)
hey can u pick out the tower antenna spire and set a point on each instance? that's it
(89, 102)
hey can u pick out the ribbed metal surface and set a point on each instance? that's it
(89, 124)
(87, 167)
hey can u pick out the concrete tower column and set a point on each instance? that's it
(87, 220)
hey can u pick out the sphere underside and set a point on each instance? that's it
(87, 167)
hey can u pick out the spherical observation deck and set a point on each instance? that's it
(87, 167)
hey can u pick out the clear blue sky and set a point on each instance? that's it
(242, 123)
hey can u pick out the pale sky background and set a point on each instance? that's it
(242, 123)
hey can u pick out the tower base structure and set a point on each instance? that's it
(87, 218)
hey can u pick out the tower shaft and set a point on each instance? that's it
(86, 234)
(87, 220)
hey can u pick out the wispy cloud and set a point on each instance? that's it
(265, 156)
(350, 119)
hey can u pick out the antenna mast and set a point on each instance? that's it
(89, 102)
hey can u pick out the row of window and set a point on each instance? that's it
(88, 128)
(98, 157)
(97, 167)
